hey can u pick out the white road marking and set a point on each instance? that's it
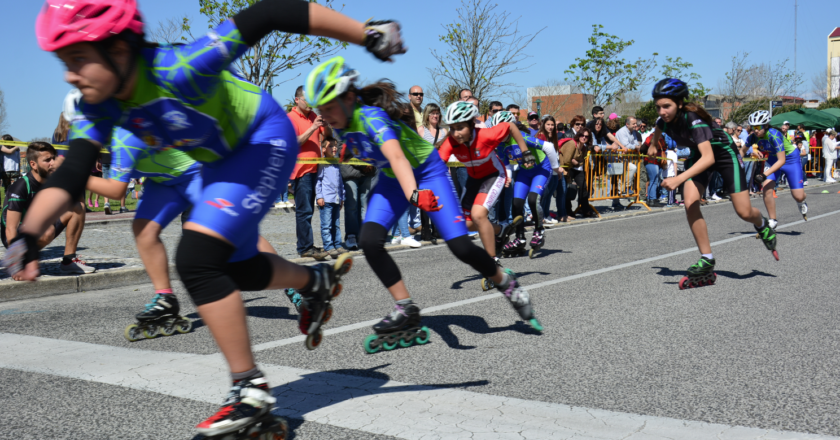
(531, 287)
(414, 412)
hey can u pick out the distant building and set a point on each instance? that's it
(560, 102)
(717, 106)
(834, 63)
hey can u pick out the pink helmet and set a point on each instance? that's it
(65, 22)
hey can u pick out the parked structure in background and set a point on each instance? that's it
(559, 101)
(834, 63)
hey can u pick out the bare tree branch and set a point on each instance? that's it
(170, 30)
(819, 85)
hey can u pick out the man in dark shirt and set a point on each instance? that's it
(41, 158)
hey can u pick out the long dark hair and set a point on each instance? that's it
(580, 133)
(384, 94)
(696, 108)
(553, 136)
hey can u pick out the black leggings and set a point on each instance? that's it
(372, 242)
(519, 209)
(578, 177)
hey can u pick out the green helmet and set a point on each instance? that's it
(460, 111)
(328, 81)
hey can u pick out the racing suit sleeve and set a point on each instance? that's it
(551, 154)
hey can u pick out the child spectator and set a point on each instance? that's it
(671, 171)
(329, 195)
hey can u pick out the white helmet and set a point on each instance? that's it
(761, 117)
(71, 101)
(460, 111)
(503, 116)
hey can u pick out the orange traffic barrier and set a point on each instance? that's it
(613, 176)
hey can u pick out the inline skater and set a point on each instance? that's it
(368, 120)
(536, 162)
(476, 149)
(186, 97)
(783, 159)
(690, 125)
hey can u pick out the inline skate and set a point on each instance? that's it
(487, 283)
(515, 247)
(159, 318)
(803, 209)
(537, 242)
(401, 327)
(767, 234)
(316, 305)
(294, 298)
(700, 274)
(246, 414)
(520, 300)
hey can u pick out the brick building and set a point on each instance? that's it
(560, 102)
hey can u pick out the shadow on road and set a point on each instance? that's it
(477, 278)
(667, 272)
(441, 324)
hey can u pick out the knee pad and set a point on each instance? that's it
(201, 262)
(253, 274)
(372, 243)
(464, 249)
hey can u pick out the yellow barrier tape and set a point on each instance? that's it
(57, 147)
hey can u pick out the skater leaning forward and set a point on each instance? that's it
(476, 149)
(367, 119)
(185, 97)
(690, 125)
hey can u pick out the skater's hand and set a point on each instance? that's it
(507, 182)
(671, 183)
(426, 200)
(320, 203)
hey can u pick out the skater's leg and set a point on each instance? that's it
(745, 210)
(769, 201)
(152, 252)
(695, 218)
(536, 209)
(372, 242)
(485, 229)
(265, 247)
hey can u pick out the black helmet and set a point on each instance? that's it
(670, 88)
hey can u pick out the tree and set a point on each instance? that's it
(443, 94)
(678, 68)
(750, 87)
(276, 53)
(3, 121)
(830, 103)
(602, 72)
(483, 47)
(819, 85)
(648, 112)
(170, 31)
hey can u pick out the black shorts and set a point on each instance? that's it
(726, 163)
(483, 191)
(59, 228)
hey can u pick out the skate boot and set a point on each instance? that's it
(767, 234)
(700, 274)
(159, 318)
(487, 283)
(245, 414)
(520, 300)
(537, 242)
(772, 222)
(401, 327)
(514, 247)
(294, 298)
(803, 209)
(506, 230)
(316, 305)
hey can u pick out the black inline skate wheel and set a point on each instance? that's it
(314, 340)
(133, 333)
(184, 325)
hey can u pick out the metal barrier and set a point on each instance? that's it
(613, 176)
(817, 163)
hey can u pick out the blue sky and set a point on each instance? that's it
(706, 34)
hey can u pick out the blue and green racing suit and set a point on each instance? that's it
(173, 179)
(533, 179)
(369, 128)
(187, 98)
(774, 142)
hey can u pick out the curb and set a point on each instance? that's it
(57, 285)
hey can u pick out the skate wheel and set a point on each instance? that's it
(314, 340)
(328, 312)
(776, 254)
(184, 325)
(535, 324)
(405, 343)
(132, 333)
(336, 290)
(389, 345)
(343, 264)
(372, 344)
(423, 336)
(684, 283)
(168, 328)
(487, 284)
(531, 253)
(152, 332)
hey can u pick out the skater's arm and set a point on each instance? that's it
(400, 165)
(780, 162)
(517, 136)
(614, 140)
(111, 189)
(12, 222)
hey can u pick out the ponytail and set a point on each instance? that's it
(700, 111)
(384, 94)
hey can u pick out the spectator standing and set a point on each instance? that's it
(329, 194)
(742, 133)
(478, 122)
(533, 123)
(602, 133)
(626, 136)
(514, 110)
(11, 161)
(829, 154)
(41, 157)
(465, 94)
(671, 171)
(430, 128)
(804, 150)
(553, 187)
(719, 122)
(573, 155)
(309, 129)
(495, 107)
(415, 95)
(358, 180)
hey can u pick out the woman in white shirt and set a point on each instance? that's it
(829, 142)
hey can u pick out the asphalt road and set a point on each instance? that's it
(758, 350)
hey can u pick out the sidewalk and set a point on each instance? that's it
(108, 245)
